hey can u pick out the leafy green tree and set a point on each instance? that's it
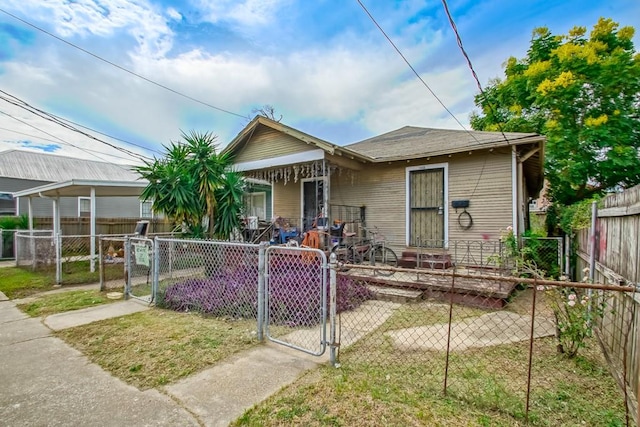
(194, 186)
(584, 95)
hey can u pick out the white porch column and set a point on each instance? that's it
(57, 239)
(30, 213)
(93, 230)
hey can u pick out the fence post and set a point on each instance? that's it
(262, 252)
(333, 281)
(156, 271)
(127, 267)
(101, 263)
(567, 256)
(58, 248)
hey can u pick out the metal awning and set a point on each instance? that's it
(81, 188)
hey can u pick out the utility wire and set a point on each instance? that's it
(105, 134)
(47, 116)
(475, 76)
(55, 141)
(63, 141)
(148, 80)
(412, 68)
(469, 64)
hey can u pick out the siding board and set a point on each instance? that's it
(267, 143)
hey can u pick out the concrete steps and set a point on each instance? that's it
(412, 258)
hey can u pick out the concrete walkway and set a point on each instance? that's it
(46, 382)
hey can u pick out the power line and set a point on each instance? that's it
(61, 140)
(475, 76)
(105, 134)
(47, 116)
(469, 64)
(54, 141)
(126, 70)
(411, 66)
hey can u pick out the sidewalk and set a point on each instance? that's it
(46, 382)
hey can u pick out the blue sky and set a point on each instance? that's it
(322, 64)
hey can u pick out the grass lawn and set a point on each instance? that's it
(379, 384)
(18, 283)
(46, 305)
(157, 347)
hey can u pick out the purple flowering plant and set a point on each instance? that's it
(294, 292)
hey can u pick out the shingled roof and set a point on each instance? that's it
(20, 164)
(411, 142)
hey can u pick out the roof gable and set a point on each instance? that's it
(258, 122)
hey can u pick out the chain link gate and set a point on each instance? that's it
(296, 298)
(139, 269)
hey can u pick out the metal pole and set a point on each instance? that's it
(567, 256)
(333, 280)
(92, 232)
(446, 367)
(262, 252)
(127, 267)
(101, 263)
(533, 322)
(58, 249)
(156, 271)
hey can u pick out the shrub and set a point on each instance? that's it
(294, 297)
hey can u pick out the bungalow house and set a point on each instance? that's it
(418, 186)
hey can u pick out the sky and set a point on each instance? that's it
(135, 74)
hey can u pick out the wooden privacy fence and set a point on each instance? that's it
(74, 226)
(611, 247)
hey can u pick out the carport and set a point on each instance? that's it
(81, 188)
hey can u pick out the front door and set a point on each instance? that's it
(427, 207)
(312, 201)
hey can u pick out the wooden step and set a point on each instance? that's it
(396, 294)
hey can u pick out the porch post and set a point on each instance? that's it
(514, 191)
(30, 206)
(93, 230)
(327, 191)
(57, 239)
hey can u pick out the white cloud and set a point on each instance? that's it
(103, 19)
(174, 14)
(247, 13)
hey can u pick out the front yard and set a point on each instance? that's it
(377, 384)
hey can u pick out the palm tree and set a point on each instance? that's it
(186, 183)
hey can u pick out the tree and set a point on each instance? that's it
(583, 94)
(267, 111)
(194, 186)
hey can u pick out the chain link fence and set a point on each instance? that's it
(7, 244)
(212, 278)
(36, 250)
(526, 349)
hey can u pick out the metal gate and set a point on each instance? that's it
(139, 262)
(296, 298)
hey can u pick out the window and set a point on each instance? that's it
(256, 204)
(84, 206)
(145, 209)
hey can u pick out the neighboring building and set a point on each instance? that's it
(23, 170)
(420, 187)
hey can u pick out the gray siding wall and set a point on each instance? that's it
(10, 185)
(106, 207)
